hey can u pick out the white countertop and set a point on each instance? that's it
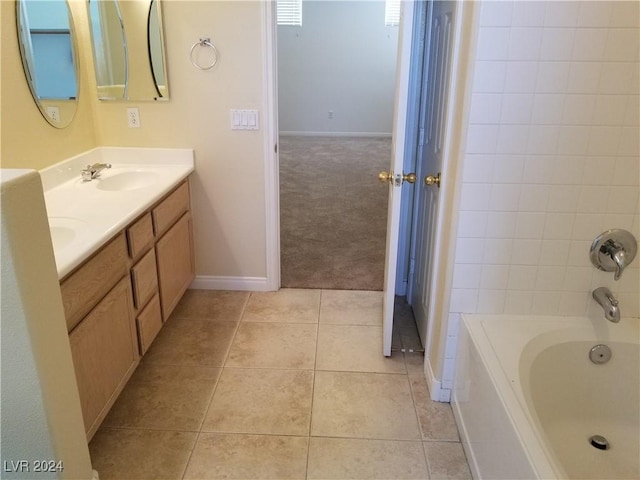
(83, 216)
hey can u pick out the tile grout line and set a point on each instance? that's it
(313, 385)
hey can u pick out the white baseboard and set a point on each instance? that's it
(334, 134)
(252, 284)
(437, 393)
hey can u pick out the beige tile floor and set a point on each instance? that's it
(284, 385)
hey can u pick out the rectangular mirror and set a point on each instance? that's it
(128, 50)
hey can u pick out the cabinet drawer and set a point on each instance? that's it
(140, 235)
(149, 324)
(83, 288)
(144, 278)
(171, 208)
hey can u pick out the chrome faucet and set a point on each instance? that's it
(613, 251)
(607, 301)
(92, 171)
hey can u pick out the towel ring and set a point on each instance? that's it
(204, 42)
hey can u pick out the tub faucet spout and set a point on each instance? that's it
(607, 301)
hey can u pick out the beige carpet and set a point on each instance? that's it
(333, 212)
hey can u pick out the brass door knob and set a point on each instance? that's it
(384, 177)
(432, 180)
(409, 177)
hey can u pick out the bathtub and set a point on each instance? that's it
(527, 398)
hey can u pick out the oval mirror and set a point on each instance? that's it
(128, 50)
(48, 50)
(109, 49)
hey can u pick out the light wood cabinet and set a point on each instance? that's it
(176, 268)
(116, 302)
(105, 354)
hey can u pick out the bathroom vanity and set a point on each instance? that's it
(123, 272)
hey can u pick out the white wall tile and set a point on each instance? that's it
(482, 138)
(501, 224)
(472, 224)
(518, 303)
(530, 225)
(524, 43)
(623, 200)
(584, 77)
(547, 109)
(526, 252)
(497, 251)
(618, 78)
(589, 44)
(622, 45)
(604, 140)
(630, 305)
(629, 281)
(493, 43)
(632, 114)
(569, 170)
(496, 13)
(475, 196)
(489, 77)
(627, 171)
(593, 199)
(477, 168)
(558, 226)
(595, 13)
(543, 139)
(599, 170)
(453, 324)
(504, 197)
(549, 278)
(522, 277)
(508, 168)
(466, 275)
(491, 301)
(469, 250)
(573, 303)
(513, 139)
(494, 277)
(485, 108)
(528, 13)
(534, 198)
(554, 252)
(617, 220)
(629, 143)
(463, 301)
(538, 169)
(557, 44)
(610, 109)
(586, 226)
(625, 14)
(579, 253)
(577, 279)
(553, 77)
(564, 198)
(561, 14)
(516, 108)
(573, 140)
(546, 303)
(578, 109)
(520, 77)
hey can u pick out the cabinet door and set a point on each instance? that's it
(104, 351)
(174, 253)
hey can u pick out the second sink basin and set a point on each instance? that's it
(126, 181)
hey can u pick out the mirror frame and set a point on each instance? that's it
(28, 73)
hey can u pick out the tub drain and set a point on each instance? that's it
(600, 354)
(599, 442)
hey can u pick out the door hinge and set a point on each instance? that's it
(275, 148)
(421, 138)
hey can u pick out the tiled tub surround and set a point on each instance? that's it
(257, 385)
(87, 215)
(552, 160)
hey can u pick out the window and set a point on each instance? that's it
(289, 12)
(391, 13)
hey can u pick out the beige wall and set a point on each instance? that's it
(28, 141)
(228, 186)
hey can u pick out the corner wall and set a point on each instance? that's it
(551, 161)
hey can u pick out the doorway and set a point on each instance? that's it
(336, 84)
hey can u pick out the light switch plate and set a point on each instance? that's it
(243, 119)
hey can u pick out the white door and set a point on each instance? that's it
(436, 75)
(395, 173)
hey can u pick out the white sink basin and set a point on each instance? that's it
(64, 231)
(126, 181)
